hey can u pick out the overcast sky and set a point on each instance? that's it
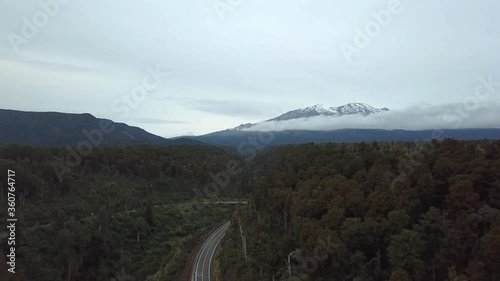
(247, 62)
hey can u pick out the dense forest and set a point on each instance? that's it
(365, 211)
(121, 213)
(369, 211)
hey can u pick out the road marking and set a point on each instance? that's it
(215, 248)
(205, 248)
(200, 254)
(209, 242)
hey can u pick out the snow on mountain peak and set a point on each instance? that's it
(353, 108)
(318, 109)
(357, 108)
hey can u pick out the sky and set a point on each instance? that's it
(194, 67)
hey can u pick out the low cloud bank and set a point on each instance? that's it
(448, 116)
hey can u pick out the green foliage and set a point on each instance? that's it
(405, 252)
(122, 212)
(379, 211)
(400, 275)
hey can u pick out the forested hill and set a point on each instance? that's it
(51, 129)
(124, 213)
(370, 212)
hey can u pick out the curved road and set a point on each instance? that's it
(202, 267)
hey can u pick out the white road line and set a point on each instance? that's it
(213, 252)
(196, 268)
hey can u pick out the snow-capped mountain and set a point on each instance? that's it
(333, 124)
(316, 110)
(354, 108)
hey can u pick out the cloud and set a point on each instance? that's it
(156, 121)
(230, 107)
(55, 66)
(264, 56)
(447, 116)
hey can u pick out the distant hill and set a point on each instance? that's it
(52, 129)
(232, 137)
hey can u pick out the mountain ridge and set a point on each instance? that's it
(244, 132)
(353, 108)
(52, 129)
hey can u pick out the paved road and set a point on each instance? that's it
(203, 264)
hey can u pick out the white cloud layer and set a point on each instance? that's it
(450, 116)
